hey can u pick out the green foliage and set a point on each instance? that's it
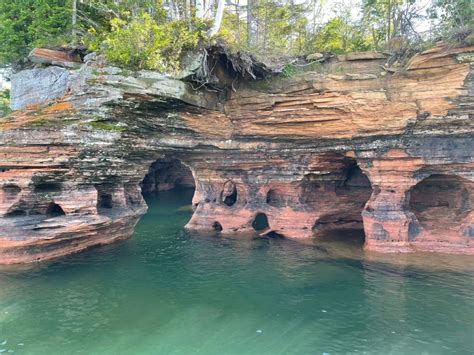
(380, 17)
(280, 28)
(25, 24)
(453, 15)
(4, 102)
(42, 122)
(233, 31)
(152, 34)
(288, 70)
(339, 36)
(143, 43)
(98, 17)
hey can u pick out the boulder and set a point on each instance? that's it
(314, 56)
(36, 86)
(469, 40)
(51, 57)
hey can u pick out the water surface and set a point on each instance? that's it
(170, 292)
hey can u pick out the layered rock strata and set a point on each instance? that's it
(345, 145)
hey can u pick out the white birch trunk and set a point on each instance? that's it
(200, 9)
(218, 18)
(74, 19)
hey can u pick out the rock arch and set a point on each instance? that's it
(229, 193)
(442, 205)
(216, 226)
(54, 210)
(260, 223)
(104, 199)
(340, 202)
(276, 198)
(166, 174)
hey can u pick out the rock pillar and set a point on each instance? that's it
(388, 222)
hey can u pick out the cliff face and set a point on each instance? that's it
(346, 146)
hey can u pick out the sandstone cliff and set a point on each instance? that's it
(343, 145)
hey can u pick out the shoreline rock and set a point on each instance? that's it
(342, 147)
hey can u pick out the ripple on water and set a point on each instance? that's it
(168, 291)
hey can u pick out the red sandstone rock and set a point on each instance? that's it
(314, 153)
(361, 56)
(48, 56)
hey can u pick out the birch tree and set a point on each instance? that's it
(217, 18)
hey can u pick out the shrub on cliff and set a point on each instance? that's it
(144, 43)
(153, 34)
(453, 16)
(4, 102)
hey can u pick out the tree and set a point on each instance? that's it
(453, 14)
(264, 27)
(25, 24)
(251, 32)
(276, 27)
(393, 22)
(233, 30)
(74, 18)
(381, 17)
(340, 36)
(217, 18)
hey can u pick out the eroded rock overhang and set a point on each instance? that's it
(346, 145)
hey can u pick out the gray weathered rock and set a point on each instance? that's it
(90, 57)
(37, 86)
(314, 56)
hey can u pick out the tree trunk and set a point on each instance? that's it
(250, 23)
(218, 18)
(389, 18)
(208, 8)
(238, 22)
(265, 27)
(200, 9)
(187, 13)
(74, 19)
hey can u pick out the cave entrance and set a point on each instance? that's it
(168, 184)
(342, 198)
(260, 223)
(54, 210)
(165, 175)
(229, 193)
(349, 237)
(104, 200)
(441, 202)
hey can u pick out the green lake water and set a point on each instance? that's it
(166, 291)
